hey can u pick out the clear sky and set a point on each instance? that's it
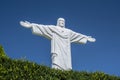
(97, 18)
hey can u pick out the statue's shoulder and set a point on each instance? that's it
(68, 29)
(52, 27)
(49, 25)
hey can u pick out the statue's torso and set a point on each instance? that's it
(62, 32)
(61, 47)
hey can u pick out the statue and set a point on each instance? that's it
(61, 39)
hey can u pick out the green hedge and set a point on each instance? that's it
(11, 69)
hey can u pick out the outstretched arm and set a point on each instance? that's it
(38, 29)
(80, 38)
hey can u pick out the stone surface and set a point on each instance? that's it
(61, 39)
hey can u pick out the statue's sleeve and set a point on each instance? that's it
(78, 37)
(42, 30)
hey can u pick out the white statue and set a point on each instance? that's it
(61, 39)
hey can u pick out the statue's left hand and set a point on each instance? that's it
(91, 39)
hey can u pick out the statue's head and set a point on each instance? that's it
(61, 22)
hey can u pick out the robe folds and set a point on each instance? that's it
(61, 39)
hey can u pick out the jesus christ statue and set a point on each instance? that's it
(61, 39)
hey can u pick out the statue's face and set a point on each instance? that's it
(61, 22)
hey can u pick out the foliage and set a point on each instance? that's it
(24, 70)
(2, 53)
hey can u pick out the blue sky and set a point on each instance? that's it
(97, 18)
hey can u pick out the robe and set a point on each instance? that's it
(61, 39)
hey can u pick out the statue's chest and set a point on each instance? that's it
(62, 32)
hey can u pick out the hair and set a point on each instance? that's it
(59, 20)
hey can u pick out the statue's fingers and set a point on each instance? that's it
(93, 39)
(27, 22)
(21, 22)
(90, 36)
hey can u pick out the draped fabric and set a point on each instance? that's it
(61, 39)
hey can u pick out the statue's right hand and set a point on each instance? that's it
(25, 24)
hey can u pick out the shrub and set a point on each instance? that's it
(11, 69)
